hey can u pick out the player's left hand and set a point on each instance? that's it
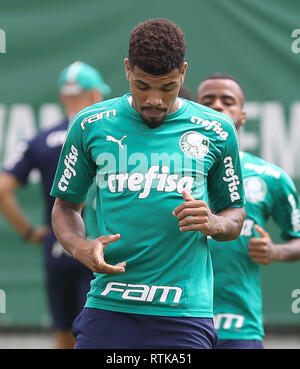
(261, 248)
(195, 215)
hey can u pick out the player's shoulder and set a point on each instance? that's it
(211, 119)
(264, 168)
(43, 132)
(210, 114)
(100, 111)
(40, 138)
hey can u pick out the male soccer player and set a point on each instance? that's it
(269, 192)
(90, 215)
(68, 280)
(156, 168)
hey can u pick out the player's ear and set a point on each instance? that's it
(127, 68)
(183, 71)
(243, 118)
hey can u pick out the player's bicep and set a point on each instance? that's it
(286, 212)
(62, 203)
(8, 183)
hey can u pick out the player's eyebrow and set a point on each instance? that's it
(222, 96)
(228, 97)
(169, 84)
(141, 82)
(165, 85)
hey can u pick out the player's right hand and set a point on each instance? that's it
(261, 249)
(91, 254)
(38, 234)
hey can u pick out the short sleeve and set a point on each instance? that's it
(225, 183)
(21, 162)
(76, 169)
(286, 211)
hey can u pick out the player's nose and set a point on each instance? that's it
(217, 105)
(154, 98)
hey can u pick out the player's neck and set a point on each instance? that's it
(175, 106)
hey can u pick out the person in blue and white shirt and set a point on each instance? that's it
(67, 280)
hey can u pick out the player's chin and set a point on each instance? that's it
(153, 122)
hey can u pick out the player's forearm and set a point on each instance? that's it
(14, 214)
(9, 205)
(289, 251)
(68, 225)
(228, 223)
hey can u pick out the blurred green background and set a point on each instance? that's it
(252, 40)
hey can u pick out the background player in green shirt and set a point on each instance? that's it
(269, 193)
(158, 161)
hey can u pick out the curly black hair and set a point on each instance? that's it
(157, 46)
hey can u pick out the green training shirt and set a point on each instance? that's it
(140, 173)
(269, 193)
